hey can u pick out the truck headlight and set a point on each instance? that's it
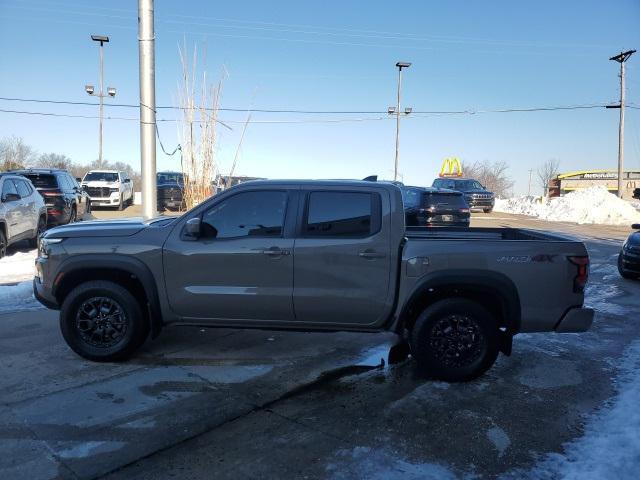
(45, 246)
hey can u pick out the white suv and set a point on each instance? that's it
(110, 188)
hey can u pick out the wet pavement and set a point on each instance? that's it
(205, 403)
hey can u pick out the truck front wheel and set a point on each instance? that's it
(455, 340)
(103, 322)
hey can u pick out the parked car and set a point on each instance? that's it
(316, 256)
(65, 200)
(170, 187)
(629, 256)
(476, 195)
(428, 207)
(636, 193)
(23, 214)
(109, 188)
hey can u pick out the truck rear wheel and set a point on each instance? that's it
(103, 322)
(455, 340)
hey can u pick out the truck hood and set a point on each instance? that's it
(98, 228)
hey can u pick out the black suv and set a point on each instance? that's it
(170, 187)
(428, 207)
(66, 201)
(629, 256)
(478, 197)
(636, 193)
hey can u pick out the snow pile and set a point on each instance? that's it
(16, 274)
(591, 205)
(610, 447)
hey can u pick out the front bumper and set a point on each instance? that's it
(43, 295)
(630, 261)
(105, 201)
(480, 203)
(577, 319)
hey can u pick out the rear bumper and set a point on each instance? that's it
(577, 319)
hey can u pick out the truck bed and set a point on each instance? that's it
(482, 233)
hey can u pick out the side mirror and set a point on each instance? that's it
(10, 197)
(192, 227)
(78, 179)
(636, 226)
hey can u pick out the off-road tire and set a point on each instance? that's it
(455, 340)
(76, 324)
(487, 210)
(73, 216)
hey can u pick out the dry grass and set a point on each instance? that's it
(200, 102)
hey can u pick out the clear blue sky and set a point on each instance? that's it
(339, 55)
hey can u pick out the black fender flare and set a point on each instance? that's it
(128, 264)
(479, 281)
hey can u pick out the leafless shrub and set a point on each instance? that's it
(547, 172)
(493, 175)
(197, 130)
(54, 160)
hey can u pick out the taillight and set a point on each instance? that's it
(51, 194)
(580, 280)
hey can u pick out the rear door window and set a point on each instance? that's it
(411, 197)
(342, 214)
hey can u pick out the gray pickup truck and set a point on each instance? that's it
(312, 255)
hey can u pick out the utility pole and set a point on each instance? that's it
(101, 94)
(530, 172)
(146, 49)
(396, 110)
(621, 58)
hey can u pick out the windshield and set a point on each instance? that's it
(45, 180)
(453, 184)
(100, 177)
(169, 177)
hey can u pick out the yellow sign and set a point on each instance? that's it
(451, 167)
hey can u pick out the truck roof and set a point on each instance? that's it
(307, 182)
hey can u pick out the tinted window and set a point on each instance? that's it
(101, 177)
(467, 185)
(23, 188)
(64, 183)
(8, 187)
(449, 199)
(169, 177)
(339, 214)
(42, 180)
(246, 214)
(411, 197)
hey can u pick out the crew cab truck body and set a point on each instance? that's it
(312, 255)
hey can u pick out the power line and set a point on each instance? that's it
(329, 112)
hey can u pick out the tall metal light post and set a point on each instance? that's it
(146, 51)
(397, 113)
(100, 94)
(621, 58)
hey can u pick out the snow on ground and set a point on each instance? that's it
(16, 273)
(610, 446)
(592, 205)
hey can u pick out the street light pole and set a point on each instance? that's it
(101, 93)
(146, 49)
(400, 66)
(101, 103)
(621, 58)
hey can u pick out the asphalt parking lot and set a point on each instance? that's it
(213, 403)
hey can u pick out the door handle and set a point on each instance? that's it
(371, 254)
(275, 252)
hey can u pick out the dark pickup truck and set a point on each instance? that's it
(312, 255)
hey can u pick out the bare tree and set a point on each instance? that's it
(14, 153)
(547, 172)
(54, 160)
(493, 175)
(199, 105)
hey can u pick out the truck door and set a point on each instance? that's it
(343, 258)
(240, 267)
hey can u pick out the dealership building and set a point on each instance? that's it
(572, 181)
